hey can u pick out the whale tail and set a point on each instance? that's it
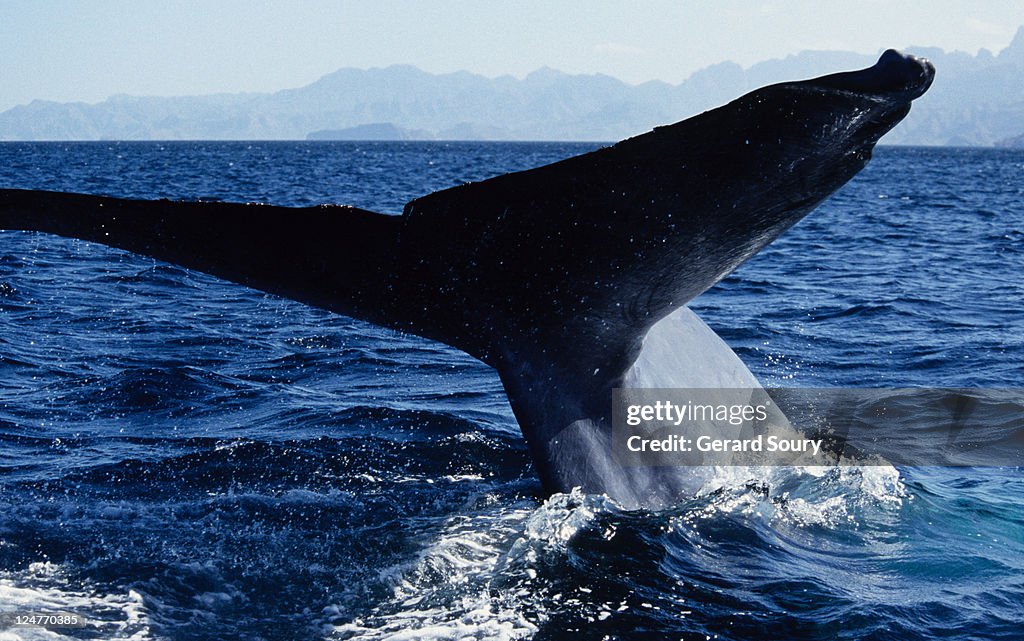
(554, 275)
(332, 257)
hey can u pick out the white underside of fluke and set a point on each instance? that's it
(680, 351)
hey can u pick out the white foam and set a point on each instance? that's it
(43, 588)
(829, 497)
(454, 590)
(478, 579)
(563, 515)
(468, 619)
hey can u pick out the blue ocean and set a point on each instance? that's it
(184, 458)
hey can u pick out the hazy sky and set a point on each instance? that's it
(90, 49)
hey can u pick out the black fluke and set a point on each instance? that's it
(553, 275)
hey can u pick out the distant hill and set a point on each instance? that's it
(976, 100)
(1016, 142)
(372, 131)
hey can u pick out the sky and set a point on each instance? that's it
(88, 50)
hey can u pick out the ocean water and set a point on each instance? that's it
(183, 458)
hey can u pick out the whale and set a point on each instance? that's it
(570, 279)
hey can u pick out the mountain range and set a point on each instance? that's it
(975, 101)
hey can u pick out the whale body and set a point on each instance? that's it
(569, 279)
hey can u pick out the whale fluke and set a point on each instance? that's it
(334, 257)
(555, 275)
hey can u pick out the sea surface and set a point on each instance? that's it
(184, 458)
